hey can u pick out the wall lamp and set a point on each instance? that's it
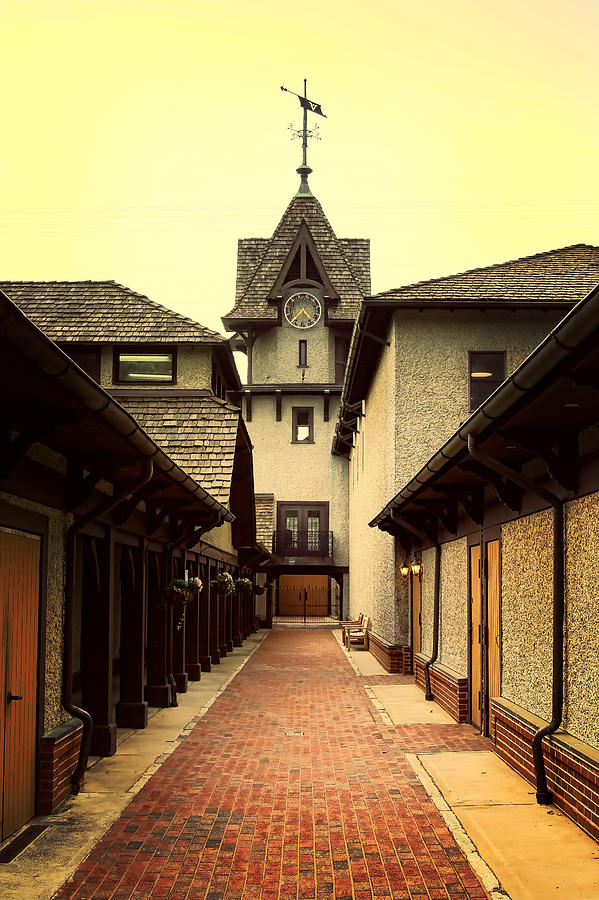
(414, 566)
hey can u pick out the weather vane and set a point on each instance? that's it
(304, 134)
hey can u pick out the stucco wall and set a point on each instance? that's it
(453, 632)
(581, 695)
(276, 352)
(58, 522)
(427, 601)
(431, 362)
(194, 368)
(220, 537)
(372, 564)
(526, 611)
(300, 472)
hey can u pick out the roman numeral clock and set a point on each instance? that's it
(303, 310)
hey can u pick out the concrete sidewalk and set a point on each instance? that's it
(301, 771)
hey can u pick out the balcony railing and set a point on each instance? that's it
(318, 544)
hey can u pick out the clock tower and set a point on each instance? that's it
(297, 297)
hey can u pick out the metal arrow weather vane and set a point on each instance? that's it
(304, 133)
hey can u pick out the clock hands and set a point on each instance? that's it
(305, 312)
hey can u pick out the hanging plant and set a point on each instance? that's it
(178, 594)
(259, 589)
(243, 586)
(223, 583)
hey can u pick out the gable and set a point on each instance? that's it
(329, 258)
(303, 264)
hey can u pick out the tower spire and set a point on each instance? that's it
(305, 133)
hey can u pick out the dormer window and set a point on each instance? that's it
(145, 366)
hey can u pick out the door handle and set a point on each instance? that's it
(10, 697)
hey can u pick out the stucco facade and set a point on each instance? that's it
(275, 355)
(431, 371)
(372, 552)
(581, 696)
(453, 612)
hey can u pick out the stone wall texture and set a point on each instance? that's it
(453, 634)
(428, 600)
(526, 606)
(432, 381)
(581, 695)
(58, 522)
(373, 569)
(276, 354)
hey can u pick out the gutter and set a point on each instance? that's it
(78, 775)
(544, 795)
(29, 341)
(427, 677)
(578, 326)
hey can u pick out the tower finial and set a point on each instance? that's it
(307, 105)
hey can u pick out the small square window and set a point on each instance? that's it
(144, 366)
(487, 371)
(303, 425)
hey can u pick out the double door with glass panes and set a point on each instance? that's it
(303, 529)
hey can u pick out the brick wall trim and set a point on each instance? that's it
(57, 759)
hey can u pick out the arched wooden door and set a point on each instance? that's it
(19, 613)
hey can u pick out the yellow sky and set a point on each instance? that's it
(141, 139)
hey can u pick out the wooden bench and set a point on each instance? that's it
(347, 623)
(357, 634)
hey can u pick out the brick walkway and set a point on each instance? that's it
(289, 787)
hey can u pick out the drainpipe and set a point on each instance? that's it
(427, 676)
(69, 590)
(544, 795)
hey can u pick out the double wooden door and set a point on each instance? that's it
(485, 633)
(19, 613)
(303, 594)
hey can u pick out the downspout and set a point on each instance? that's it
(427, 675)
(69, 591)
(544, 795)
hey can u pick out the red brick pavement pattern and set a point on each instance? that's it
(247, 808)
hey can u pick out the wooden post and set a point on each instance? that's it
(204, 619)
(132, 709)
(97, 650)
(158, 689)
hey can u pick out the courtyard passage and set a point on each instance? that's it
(291, 786)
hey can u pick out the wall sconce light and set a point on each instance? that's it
(416, 567)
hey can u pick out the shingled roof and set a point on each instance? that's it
(265, 518)
(198, 433)
(565, 275)
(102, 312)
(260, 260)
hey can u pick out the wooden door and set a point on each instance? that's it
(493, 620)
(416, 586)
(19, 612)
(291, 595)
(475, 645)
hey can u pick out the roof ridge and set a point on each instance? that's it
(487, 268)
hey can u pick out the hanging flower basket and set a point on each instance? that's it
(223, 583)
(243, 586)
(259, 589)
(178, 594)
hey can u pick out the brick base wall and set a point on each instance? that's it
(450, 691)
(59, 750)
(392, 657)
(572, 767)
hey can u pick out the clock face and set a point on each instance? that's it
(303, 310)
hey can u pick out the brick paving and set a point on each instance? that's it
(289, 787)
